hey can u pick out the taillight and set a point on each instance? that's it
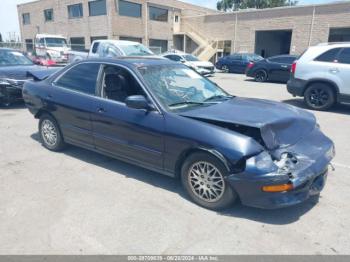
(250, 65)
(293, 68)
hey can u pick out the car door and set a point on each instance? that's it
(279, 68)
(130, 134)
(70, 101)
(234, 63)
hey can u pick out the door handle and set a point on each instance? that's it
(101, 110)
(334, 70)
(49, 96)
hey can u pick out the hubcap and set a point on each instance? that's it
(49, 133)
(206, 181)
(225, 68)
(318, 97)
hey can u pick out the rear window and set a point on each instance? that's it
(283, 60)
(344, 56)
(329, 56)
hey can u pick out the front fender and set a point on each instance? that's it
(185, 135)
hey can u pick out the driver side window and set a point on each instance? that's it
(118, 84)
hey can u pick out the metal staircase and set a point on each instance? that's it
(206, 48)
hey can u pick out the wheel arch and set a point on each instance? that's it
(332, 84)
(185, 154)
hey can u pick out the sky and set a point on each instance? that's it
(9, 19)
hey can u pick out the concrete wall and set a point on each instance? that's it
(310, 25)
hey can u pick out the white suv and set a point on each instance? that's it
(322, 75)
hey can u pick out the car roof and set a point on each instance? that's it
(118, 42)
(282, 56)
(7, 49)
(136, 61)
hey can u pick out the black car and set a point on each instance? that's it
(15, 70)
(236, 63)
(165, 117)
(275, 68)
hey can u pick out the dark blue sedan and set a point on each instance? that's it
(236, 63)
(165, 117)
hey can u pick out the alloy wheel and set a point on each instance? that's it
(206, 181)
(49, 133)
(318, 97)
(260, 76)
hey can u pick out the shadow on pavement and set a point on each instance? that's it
(278, 216)
(267, 82)
(339, 108)
(17, 105)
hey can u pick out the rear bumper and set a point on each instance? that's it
(314, 154)
(296, 87)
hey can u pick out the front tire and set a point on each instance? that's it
(260, 76)
(204, 178)
(50, 133)
(319, 96)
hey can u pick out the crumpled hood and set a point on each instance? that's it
(280, 125)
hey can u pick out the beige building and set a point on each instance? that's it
(173, 24)
(151, 22)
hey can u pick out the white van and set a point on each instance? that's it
(53, 47)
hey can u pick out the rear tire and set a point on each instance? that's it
(50, 133)
(203, 177)
(261, 76)
(319, 96)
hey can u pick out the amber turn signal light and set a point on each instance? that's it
(278, 188)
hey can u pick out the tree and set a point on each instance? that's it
(229, 5)
(0, 38)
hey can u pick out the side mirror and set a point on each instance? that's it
(182, 60)
(138, 102)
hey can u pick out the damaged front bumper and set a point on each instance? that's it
(10, 94)
(314, 154)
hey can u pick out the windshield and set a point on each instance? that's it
(56, 42)
(13, 58)
(190, 58)
(136, 50)
(179, 87)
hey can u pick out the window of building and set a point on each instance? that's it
(26, 18)
(130, 9)
(176, 19)
(344, 56)
(97, 7)
(77, 43)
(75, 11)
(130, 38)
(81, 78)
(93, 38)
(29, 45)
(329, 56)
(48, 15)
(158, 14)
(162, 44)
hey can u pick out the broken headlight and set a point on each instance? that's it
(263, 162)
(287, 163)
